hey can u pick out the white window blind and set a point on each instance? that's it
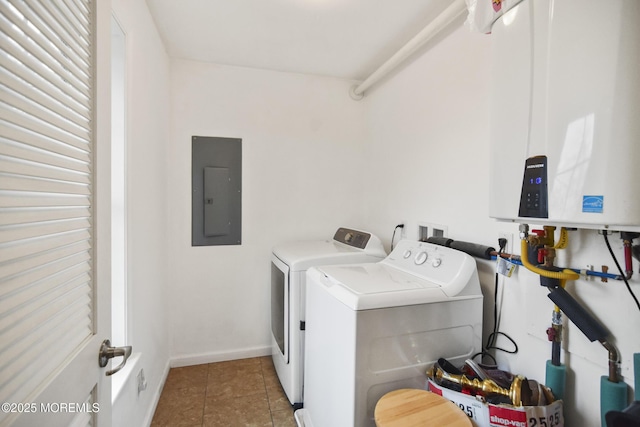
(46, 224)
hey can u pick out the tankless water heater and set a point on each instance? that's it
(565, 114)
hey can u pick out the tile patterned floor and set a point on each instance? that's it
(239, 393)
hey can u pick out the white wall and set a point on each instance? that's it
(147, 124)
(428, 154)
(415, 149)
(302, 141)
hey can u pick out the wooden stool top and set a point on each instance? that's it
(413, 407)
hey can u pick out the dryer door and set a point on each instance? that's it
(280, 305)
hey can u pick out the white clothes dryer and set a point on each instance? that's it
(374, 328)
(289, 264)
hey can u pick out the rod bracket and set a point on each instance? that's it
(354, 95)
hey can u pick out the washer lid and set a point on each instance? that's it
(374, 278)
(414, 273)
(299, 256)
(371, 286)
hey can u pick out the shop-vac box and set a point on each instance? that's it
(488, 415)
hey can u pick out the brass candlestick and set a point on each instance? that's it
(519, 392)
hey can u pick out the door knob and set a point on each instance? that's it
(107, 352)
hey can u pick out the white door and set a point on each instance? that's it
(54, 212)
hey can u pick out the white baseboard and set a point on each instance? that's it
(199, 359)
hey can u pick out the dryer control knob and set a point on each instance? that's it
(406, 254)
(436, 262)
(421, 258)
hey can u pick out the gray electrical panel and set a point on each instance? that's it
(216, 181)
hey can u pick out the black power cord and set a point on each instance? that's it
(626, 282)
(394, 233)
(493, 336)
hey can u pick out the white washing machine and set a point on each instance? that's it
(373, 328)
(289, 264)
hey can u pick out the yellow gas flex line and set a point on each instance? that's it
(563, 241)
(565, 274)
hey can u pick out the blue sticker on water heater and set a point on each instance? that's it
(592, 204)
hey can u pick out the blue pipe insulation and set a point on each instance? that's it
(636, 370)
(556, 379)
(587, 272)
(613, 397)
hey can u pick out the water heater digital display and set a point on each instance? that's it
(534, 196)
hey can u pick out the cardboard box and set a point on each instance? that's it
(488, 415)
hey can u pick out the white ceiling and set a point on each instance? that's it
(340, 38)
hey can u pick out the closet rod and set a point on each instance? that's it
(434, 27)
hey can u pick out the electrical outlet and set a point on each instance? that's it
(403, 230)
(427, 229)
(142, 382)
(509, 237)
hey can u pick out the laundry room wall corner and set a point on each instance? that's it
(302, 142)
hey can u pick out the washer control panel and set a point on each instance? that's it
(355, 238)
(432, 262)
(421, 257)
